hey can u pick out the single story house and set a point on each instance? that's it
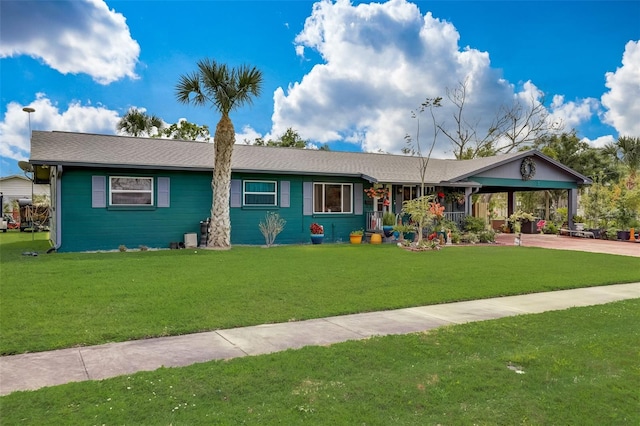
(16, 187)
(108, 191)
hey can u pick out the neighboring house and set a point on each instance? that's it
(108, 191)
(17, 187)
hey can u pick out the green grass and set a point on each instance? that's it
(581, 367)
(62, 300)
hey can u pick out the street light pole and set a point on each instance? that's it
(29, 110)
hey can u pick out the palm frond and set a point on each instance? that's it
(226, 88)
(188, 90)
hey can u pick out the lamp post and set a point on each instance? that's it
(29, 110)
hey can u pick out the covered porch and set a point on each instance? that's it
(456, 200)
(459, 180)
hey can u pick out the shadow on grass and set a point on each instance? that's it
(16, 246)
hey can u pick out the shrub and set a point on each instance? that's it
(473, 224)
(273, 224)
(388, 219)
(612, 233)
(449, 224)
(470, 237)
(550, 228)
(487, 237)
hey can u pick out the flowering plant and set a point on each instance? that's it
(436, 210)
(376, 193)
(316, 228)
(541, 224)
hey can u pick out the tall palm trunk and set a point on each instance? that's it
(220, 225)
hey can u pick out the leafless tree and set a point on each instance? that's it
(513, 127)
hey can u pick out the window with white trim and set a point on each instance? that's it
(260, 193)
(130, 191)
(333, 198)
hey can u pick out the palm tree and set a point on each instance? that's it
(629, 150)
(138, 123)
(226, 89)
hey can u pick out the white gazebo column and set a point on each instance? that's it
(468, 201)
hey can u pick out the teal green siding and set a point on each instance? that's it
(85, 228)
(245, 220)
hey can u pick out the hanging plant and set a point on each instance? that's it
(376, 193)
(455, 197)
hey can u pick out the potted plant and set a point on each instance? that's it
(317, 233)
(355, 237)
(388, 220)
(515, 223)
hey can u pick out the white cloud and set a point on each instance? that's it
(599, 142)
(70, 36)
(380, 62)
(624, 91)
(248, 134)
(572, 113)
(14, 128)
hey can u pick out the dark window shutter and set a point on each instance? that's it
(236, 193)
(285, 193)
(98, 192)
(307, 198)
(164, 195)
(357, 198)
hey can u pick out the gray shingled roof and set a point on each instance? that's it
(92, 150)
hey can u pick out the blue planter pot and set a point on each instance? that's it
(388, 230)
(317, 238)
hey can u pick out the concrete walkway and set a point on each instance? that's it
(36, 370)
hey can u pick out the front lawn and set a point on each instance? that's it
(571, 367)
(61, 300)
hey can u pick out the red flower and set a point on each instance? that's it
(316, 228)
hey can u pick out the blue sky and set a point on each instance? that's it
(338, 72)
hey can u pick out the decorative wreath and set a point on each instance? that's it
(527, 168)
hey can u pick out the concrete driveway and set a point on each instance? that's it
(624, 248)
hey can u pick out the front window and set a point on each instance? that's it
(130, 191)
(260, 193)
(409, 193)
(332, 198)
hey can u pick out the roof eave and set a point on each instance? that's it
(116, 166)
